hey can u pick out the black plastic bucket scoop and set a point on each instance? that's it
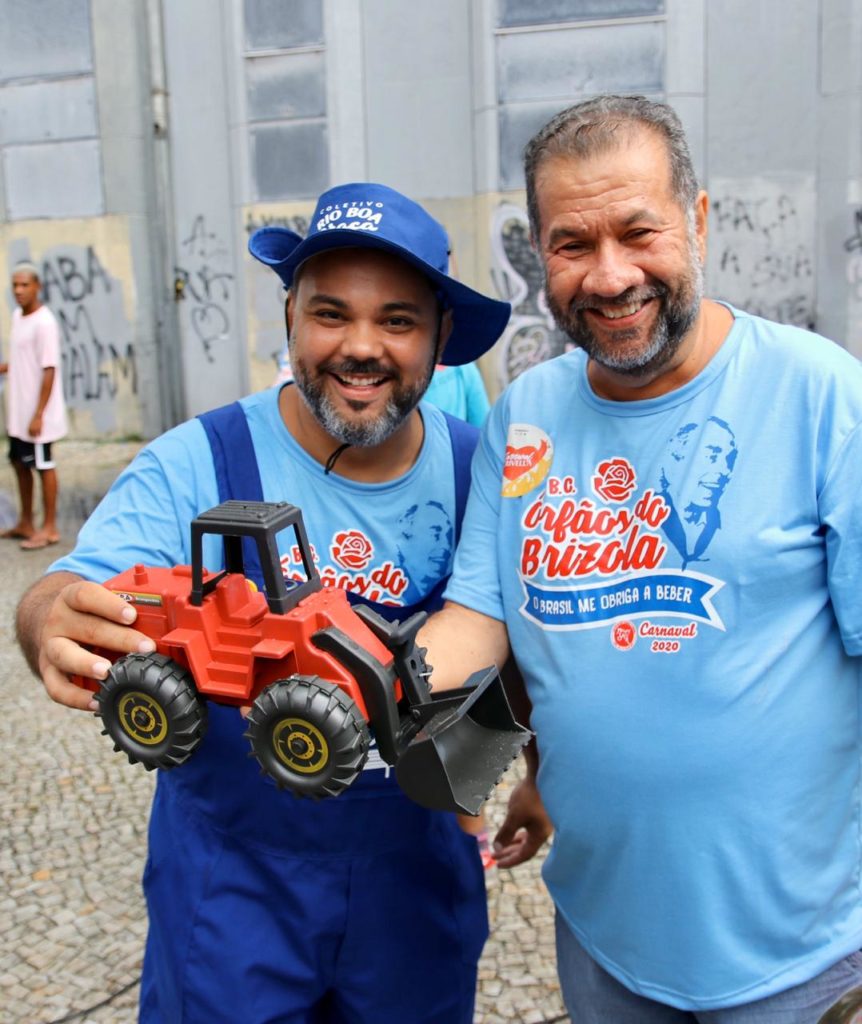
(469, 737)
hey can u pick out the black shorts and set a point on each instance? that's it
(32, 454)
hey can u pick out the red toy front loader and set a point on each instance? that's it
(316, 671)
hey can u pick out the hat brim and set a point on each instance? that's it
(477, 321)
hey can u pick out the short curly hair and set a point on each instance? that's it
(595, 126)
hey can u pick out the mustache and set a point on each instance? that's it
(637, 293)
(372, 367)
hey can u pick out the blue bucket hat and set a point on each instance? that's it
(365, 215)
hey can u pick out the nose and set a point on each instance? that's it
(362, 339)
(610, 271)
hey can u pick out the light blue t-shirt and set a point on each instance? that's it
(680, 578)
(460, 390)
(390, 542)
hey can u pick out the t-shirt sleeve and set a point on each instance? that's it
(477, 397)
(145, 516)
(475, 580)
(48, 336)
(841, 516)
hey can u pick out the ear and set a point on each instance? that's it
(446, 325)
(289, 308)
(701, 222)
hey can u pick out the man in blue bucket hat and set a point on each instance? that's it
(365, 909)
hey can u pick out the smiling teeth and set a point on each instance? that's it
(617, 312)
(361, 382)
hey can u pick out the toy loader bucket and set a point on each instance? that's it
(469, 738)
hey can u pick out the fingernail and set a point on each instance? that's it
(146, 647)
(93, 705)
(101, 669)
(129, 614)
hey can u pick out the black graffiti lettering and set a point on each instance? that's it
(92, 370)
(198, 236)
(854, 242)
(780, 268)
(208, 288)
(74, 282)
(729, 261)
(94, 270)
(295, 223)
(753, 216)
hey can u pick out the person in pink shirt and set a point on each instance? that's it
(35, 409)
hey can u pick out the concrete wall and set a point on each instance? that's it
(130, 162)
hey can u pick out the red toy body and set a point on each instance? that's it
(232, 644)
(317, 673)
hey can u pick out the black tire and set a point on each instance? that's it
(152, 711)
(308, 735)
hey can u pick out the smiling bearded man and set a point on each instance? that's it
(264, 906)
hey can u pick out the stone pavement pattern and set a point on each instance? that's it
(73, 836)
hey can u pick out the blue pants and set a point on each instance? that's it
(592, 996)
(388, 932)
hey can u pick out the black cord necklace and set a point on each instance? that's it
(333, 458)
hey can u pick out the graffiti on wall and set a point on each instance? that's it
(292, 223)
(853, 246)
(531, 335)
(204, 284)
(98, 356)
(761, 248)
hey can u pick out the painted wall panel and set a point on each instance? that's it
(48, 110)
(286, 85)
(762, 62)
(274, 24)
(289, 159)
(417, 96)
(48, 37)
(568, 63)
(56, 179)
(528, 12)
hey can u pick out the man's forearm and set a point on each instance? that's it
(33, 610)
(460, 642)
(45, 390)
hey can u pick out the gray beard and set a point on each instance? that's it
(363, 433)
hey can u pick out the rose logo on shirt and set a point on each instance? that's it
(351, 549)
(615, 480)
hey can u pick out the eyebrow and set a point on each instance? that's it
(560, 233)
(644, 214)
(388, 307)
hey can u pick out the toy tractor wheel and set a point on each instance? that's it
(152, 711)
(309, 735)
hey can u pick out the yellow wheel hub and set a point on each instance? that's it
(300, 745)
(142, 718)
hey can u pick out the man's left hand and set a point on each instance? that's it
(525, 829)
(35, 428)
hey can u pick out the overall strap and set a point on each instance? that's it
(464, 437)
(236, 470)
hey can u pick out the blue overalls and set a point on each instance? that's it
(269, 909)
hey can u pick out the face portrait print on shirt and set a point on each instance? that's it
(425, 540)
(695, 471)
